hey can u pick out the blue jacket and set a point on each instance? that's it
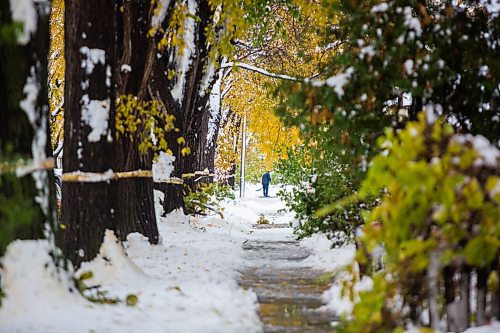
(266, 178)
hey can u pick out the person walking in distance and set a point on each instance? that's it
(266, 179)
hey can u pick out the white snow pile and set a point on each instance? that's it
(163, 167)
(95, 114)
(340, 303)
(112, 265)
(186, 284)
(333, 260)
(493, 327)
(326, 258)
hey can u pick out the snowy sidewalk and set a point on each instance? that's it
(188, 283)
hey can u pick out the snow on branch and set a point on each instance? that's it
(261, 71)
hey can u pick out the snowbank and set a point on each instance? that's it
(324, 257)
(333, 260)
(186, 284)
(493, 327)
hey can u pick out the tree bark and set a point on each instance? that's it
(236, 136)
(465, 298)
(137, 213)
(24, 130)
(415, 108)
(433, 271)
(88, 208)
(449, 296)
(173, 193)
(191, 111)
(495, 294)
(195, 106)
(482, 277)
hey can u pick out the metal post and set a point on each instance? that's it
(243, 152)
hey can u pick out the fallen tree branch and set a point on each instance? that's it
(213, 209)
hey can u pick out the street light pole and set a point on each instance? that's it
(243, 152)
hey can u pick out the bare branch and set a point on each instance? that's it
(261, 71)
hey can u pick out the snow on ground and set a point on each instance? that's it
(493, 327)
(187, 283)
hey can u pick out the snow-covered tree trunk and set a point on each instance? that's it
(213, 124)
(194, 100)
(186, 96)
(27, 183)
(89, 202)
(136, 53)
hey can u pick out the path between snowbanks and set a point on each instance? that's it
(188, 283)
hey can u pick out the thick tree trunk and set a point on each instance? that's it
(414, 298)
(481, 287)
(173, 193)
(495, 294)
(190, 106)
(88, 208)
(449, 297)
(415, 108)
(457, 311)
(133, 73)
(433, 271)
(195, 105)
(24, 129)
(465, 298)
(214, 123)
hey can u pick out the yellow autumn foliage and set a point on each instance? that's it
(300, 52)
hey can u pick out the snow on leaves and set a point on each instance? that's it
(380, 8)
(412, 22)
(337, 82)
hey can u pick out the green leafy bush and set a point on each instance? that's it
(441, 209)
(316, 183)
(207, 197)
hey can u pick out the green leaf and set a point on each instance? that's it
(132, 299)
(480, 251)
